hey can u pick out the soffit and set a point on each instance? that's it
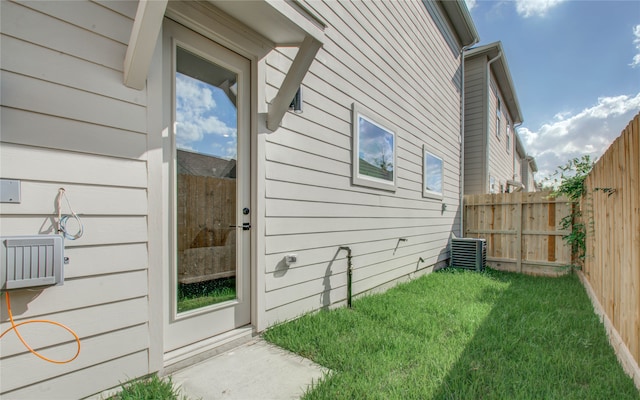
(460, 18)
(282, 22)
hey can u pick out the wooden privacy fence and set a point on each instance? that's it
(206, 238)
(522, 231)
(611, 270)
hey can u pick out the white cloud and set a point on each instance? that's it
(198, 126)
(590, 132)
(636, 41)
(533, 8)
(471, 4)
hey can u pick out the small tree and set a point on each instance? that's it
(569, 181)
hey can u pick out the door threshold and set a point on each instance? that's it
(185, 356)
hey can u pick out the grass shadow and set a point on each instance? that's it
(462, 335)
(541, 340)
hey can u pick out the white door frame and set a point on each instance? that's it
(249, 46)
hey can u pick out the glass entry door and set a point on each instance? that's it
(209, 272)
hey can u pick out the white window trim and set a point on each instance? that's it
(425, 192)
(365, 180)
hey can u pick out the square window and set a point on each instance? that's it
(374, 150)
(432, 175)
(492, 185)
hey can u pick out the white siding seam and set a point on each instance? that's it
(400, 103)
(27, 5)
(83, 153)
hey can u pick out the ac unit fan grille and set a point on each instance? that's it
(468, 253)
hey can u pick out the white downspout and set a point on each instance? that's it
(488, 137)
(514, 152)
(462, 119)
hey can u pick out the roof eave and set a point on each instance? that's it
(532, 162)
(460, 18)
(503, 75)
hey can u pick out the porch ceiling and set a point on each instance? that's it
(284, 23)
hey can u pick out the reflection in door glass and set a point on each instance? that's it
(206, 153)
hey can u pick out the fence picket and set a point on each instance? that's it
(522, 231)
(611, 270)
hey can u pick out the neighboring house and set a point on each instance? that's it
(110, 100)
(525, 167)
(493, 152)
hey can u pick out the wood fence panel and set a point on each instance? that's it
(522, 231)
(206, 241)
(611, 213)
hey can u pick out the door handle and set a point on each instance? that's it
(245, 226)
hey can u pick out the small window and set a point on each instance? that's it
(374, 150)
(432, 175)
(492, 185)
(509, 129)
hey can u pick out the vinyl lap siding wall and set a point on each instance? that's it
(391, 58)
(475, 180)
(68, 121)
(500, 161)
(517, 168)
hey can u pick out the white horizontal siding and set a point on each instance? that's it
(126, 8)
(54, 132)
(377, 260)
(85, 261)
(32, 26)
(68, 121)
(98, 230)
(475, 126)
(82, 383)
(500, 160)
(87, 15)
(78, 293)
(89, 200)
(64, 69)
(42, 164)
(95, 350)
(25, 93)
(86, 322)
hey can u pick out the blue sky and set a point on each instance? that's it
(576, 70)
(205, 118)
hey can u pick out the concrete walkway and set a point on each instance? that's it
(255, 370)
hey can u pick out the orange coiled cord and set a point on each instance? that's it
(14, 327)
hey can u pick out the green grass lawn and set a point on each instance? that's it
(462, 335)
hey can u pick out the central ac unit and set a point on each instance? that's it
(469, 253)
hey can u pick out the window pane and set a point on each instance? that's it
(206, 152)
(375, 150)
(433, 172)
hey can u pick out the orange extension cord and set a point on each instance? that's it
(14, 327)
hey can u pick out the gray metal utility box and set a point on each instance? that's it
(31, 261)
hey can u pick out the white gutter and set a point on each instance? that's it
(462, 119)
(488, 136)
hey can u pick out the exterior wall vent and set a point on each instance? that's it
(469, 253)
(31, 261)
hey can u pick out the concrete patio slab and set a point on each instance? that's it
(254, 370)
